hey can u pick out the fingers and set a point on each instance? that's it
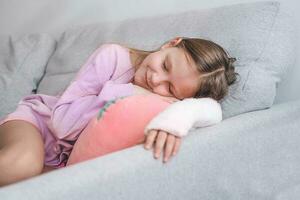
(169, 99)
(138, 90)
(160, 143)
(169, 147)
(150, 139)
(163, 142)
(159, 137)
(177, 145)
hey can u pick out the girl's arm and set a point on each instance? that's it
(89, 91)
(181, 116)
(166, 130)
(138, 90)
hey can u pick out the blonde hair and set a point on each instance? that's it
(213, 62)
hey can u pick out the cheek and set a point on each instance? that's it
(139, 76)
(153, 63)
(161, 90)
(191, 89)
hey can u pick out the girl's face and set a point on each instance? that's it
(168, 72)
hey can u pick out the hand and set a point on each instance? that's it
(172, 143)
(140, 90)
(170, 99)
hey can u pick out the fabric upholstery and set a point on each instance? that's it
(258, 34)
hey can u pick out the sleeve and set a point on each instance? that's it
(181, 116)
(90, 89)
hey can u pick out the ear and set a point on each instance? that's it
(172, 43)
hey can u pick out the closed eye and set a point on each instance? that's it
(165, 67)
(169, 84)
(170, 89)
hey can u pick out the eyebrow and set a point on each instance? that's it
(170, 69)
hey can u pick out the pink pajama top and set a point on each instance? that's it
(105, 76)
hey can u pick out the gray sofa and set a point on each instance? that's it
(252, 154)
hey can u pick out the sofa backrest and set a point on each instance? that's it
(260, 35)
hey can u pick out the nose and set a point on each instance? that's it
(157, 79)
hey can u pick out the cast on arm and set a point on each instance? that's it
(89, 91)
(181, 116)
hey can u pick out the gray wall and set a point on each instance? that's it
(53, 16)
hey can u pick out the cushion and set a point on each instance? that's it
(259, 34)
(119, 124)
(22, 65)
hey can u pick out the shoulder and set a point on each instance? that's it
(115, 58)
(113, 48)
(108, 52)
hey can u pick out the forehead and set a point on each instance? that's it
(184, 75)
(179, 57)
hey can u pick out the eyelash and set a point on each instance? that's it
(170, 89)
(165, 68)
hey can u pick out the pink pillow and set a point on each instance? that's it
(120, 124)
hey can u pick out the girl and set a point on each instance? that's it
(44, 128)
